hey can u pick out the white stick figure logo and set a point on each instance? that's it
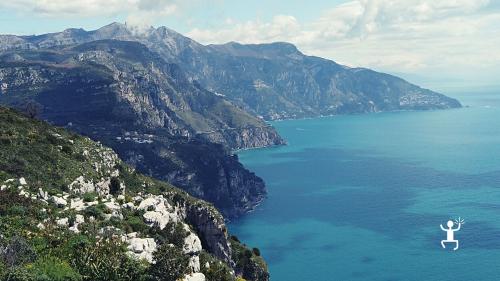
(450, 232)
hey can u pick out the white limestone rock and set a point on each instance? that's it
(43, 194)
(192, 246)
(79, 219)
(152, 201)
(80, 185)
(194, 277)
(194, 263)
(159, 211)
(159, 219)
(112, 206)
(22, 181)
(129, 205)
(62, 222)
(102, 187)
(142, 248)
(59, 201)
(192, 243)
(77, 204)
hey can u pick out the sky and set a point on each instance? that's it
(445, 45)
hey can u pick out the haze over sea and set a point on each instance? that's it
(361, 197)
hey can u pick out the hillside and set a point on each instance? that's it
(126, 96)
(70, 209)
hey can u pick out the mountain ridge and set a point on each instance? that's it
(281, 82)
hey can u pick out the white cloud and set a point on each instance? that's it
(459, 37)
(138, 12)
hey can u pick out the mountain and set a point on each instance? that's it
(275, 80)
(140, 89)
(70, 209)
(123, 94)
(175, 109)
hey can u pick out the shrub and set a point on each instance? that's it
(94, 211)
(256, 251)
(16, 210)
(104, 259)
(170, 263)
(136, 224)
(173, 233)
(217, 270)
(3, 271)
(17, 252)
(54, 269)
(19, 274)
(89, 196)
(67, 149)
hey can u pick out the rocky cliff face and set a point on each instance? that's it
(126, 96)
(83, 187)
(205, 170)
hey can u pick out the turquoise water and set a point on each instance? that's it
(361, 197)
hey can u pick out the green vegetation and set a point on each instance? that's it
(171, 264)
(36, 242)
(248, 262)
(59, 255)
(217, 270)
(89, 197)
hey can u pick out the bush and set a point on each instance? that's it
(173, 233)
(67, 149)
(17, 252)
(235, 238)
(217, 270)
(89, 196)
(170, 263)
(53, 269)
(104, 259)
(256, 251)
(94, 211)
(136, 224)
(16, 210)
(19, 274)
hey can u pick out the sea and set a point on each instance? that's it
(363, 197)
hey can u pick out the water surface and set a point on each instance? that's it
(361, 197)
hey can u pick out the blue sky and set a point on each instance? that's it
(446, 45)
